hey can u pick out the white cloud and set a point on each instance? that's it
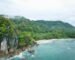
(40, 9)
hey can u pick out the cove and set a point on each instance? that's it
(56, 50)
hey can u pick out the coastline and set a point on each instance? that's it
(52, 40)
(44, 41)
(18, 52)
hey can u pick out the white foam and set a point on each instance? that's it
(32, 56)
(19, 56)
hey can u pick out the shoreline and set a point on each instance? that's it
(44, 41)
(18, 52)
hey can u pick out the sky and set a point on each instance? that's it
(51, 10)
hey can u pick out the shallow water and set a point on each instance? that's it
(57, 50)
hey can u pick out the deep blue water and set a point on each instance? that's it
(57, 50)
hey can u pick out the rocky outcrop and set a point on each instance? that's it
(8, 45)
(4, 46)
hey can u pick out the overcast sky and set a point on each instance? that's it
(40, 9)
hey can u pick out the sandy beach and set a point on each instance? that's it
(45, 41)
(51, 40)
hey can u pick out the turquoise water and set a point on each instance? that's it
(57, 50)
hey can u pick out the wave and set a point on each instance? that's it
(20, 56)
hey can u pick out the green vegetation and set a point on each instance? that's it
(26, 31)
(44, 29)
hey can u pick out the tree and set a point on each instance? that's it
(25, 39)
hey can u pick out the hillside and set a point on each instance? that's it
(40, 25)
(44, 29)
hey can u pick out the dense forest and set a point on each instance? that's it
(22, 31)
(41, 29)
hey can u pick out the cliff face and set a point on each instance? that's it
(8, 44)
(4, 45)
